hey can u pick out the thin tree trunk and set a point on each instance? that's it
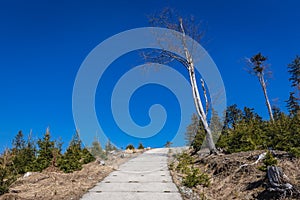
(201, 113)
(196, 95)
(205, 96)
(264, 87)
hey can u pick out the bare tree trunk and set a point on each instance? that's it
(205, 96)
(264, 87)
(196, 95)
(200, 112)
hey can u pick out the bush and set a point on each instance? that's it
(130, 147)
(250, 132)
(194, 178)
(97, 151)
(87, 157)
(3, 185)
(6, 179)
(141, 146)
(75, 156)
(184, 162)
(171, 165)
(269, 160)
(295, 151)
(198, 140)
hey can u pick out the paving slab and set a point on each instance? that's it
(142, 178)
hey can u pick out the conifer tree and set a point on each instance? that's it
(18, 142)
(24, 153)
(215, 124)
(276, 113)
(86, 156)
(294, 70)
(292, 104)
(75, 156)
(192, 130)
(168, 144)
(7, 171)
(96, 150)
(258, 68)
(108, 146)
(70, 161)
(45, 152)
(233, 116)
(141, 146)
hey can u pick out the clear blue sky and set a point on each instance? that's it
(43, 43)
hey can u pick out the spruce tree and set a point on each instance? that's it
(199, 138)
(276, 113)
(7, 171)
(110, 147)
(294, 70)
(45, 151)
(141, 146)
(233, 116)
(292, 104)
(215, 125)
(168, 144)
(86, 156)
(192, 129)
(70, 161)
(18, 142)
(258, 68)
(247, 133)
(75, 156)
(96, 150)
(24, 153)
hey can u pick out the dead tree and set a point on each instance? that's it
(258, 68)
(185, 29)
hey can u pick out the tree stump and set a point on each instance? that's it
(278, 182)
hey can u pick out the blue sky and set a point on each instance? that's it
(43, 43)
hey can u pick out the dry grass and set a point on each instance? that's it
(230, 181)
(54, 184)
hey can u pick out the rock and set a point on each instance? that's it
(113, 152)
(102, 162)
(128, 151)
(27, 174)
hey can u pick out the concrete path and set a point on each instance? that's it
(142, 178)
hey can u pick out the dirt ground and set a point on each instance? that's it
(231, 181)
(56, 185)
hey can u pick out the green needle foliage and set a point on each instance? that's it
(250, 132)
(269, 160)
(24, 154)
(130, 147)
(28, 155)
(292, 104)
(194, 178)
(294, 70)
(141, 146)
(45, 152)
(97, 151)
(192, 175)
(7, 172)
(75, 156)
